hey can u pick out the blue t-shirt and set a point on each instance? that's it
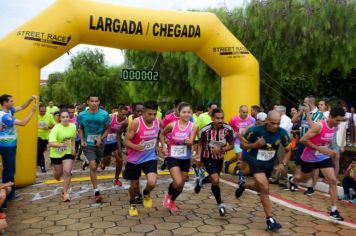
(265, 155)
(93, 125)
(8, 133)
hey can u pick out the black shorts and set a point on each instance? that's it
(109, 148)
(259, 166)
(133, 171)
(58, 161)
(183, 164)
(213, 166)
(308, 167)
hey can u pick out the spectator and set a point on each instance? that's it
(349, 181)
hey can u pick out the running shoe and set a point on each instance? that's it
(98, 197)
(272, 224)
(133, 210)
(335, 215)
(167, 201)
(310, 191)
(353, 201)
(43, 169)
(222, 210)
(147, 201)
(292, 186)
(173, 207)
(84, 165)
(240, 190)
(344, 197)
(198, 185)
(138, 199)
(65, 197)
(117, 182)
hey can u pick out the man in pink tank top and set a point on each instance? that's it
(240, 124)
(142, 143)
(318, 153)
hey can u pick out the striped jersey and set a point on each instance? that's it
(209, 136)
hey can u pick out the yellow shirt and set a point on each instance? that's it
(59, 134)
(43, 122)
(51, 110)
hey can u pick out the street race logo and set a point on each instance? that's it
(43, 39)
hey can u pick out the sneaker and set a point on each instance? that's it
(65, 197)
(335, 215)
(272, 224)
(167, 201)
(198, 185)
(43, 169)
(117, 182)
(84, 165)
(98, 197)
(353, 201)
(133, 210)
(310, 191)
(240, 190)
(3, 215)
(292, 186)
(173, 207)
(147, 201)
(226, 167)
(138, 199)
(222, 210)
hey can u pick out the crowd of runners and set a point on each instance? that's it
(137, 136)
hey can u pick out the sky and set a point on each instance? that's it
(17, 12)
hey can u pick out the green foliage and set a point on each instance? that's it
(303, 47)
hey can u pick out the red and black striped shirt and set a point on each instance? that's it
(210, 136)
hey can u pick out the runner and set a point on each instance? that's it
(51, 108)
(183, 133)
(137, 112)
(318, 155)
(94, 127)
(62, 151)
(45, 124)
(262, 143)
(113, 143)
(308, 114)
(215, 139)
(239, 124)
(141, 142)
(206, 118)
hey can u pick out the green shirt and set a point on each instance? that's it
(316, 116)
(51, 110)
(203, 120)
(45, 121)
(59, 134)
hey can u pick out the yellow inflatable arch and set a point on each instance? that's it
(68, 23)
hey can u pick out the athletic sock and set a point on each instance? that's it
(217, 194)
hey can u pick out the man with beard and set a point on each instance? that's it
(215, 139)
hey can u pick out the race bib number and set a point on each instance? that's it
(62, 149)
(264, 155)
(91, 138)
(42, 124)
(317, 153)
(111, 137)
(150, 144)
(179, 151)
(219, 143)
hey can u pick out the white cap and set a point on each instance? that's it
(261, 116)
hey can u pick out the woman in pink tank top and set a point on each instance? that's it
(178, 153)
